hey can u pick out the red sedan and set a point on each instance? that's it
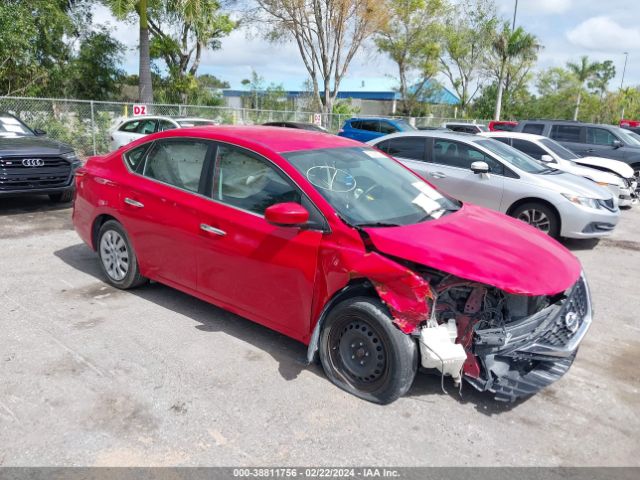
(337, 245)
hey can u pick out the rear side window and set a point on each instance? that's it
(529, 148)
(535, 128)
(405, 147)
(134, 157)
(146, 127)
(370, 125)
(130, 126)
(565, 133)
(600, 136)
(177, 162)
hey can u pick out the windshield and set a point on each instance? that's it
(629, 137)
(367, 188)
(404, 125)
(514, 157)
(11, 127)
(559, 150)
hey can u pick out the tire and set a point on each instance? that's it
(358, 332)
(63, 197)
(540, 216)
(117, 257)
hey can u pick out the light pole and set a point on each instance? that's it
(515, 12)
(624, 70)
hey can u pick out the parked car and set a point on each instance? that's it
(556, 156)
(502, 126)
(589, 139)
(300, 125)
(365, 129)
(481, 170)
(465, 127)
(631, 125)
(31, 164)
(131, 129)
(335, 244)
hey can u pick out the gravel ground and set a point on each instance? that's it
(90, 375)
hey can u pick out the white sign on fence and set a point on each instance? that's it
(317, 119)
(139, 110)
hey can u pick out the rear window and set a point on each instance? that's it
(535, 128)
(565, 133)
(404, 147)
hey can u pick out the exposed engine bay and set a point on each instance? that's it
(514, 345)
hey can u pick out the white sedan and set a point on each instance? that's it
(130, 129)
(615, 175)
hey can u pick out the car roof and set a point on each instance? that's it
(276, 139)
(375, 118)
(570, 122)
(146, 117)
(188, 119)
(446, 134)
(465, 124)
(522, 136)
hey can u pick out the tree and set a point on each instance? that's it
(509, 46)
(140, 8)
(601, 78)
(327, 33)
(181, 30)
(466, 44)
(583, 72)
(410, 38)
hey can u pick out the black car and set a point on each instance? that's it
(30, 163)
(589, 139)
(301, 125)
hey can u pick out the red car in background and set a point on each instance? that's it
(502, 126)
(339, 246)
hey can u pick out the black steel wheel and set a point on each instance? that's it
(363, 352)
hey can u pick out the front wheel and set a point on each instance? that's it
(117, 258)
(540, 216)
(363, 352)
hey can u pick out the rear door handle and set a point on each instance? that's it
(437, 175)
(589, 150)
(133, 203)
(214, 230)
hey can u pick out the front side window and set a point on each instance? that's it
(177, 162)
(367, 188)
(247, 182)
(529, 148)
(404, 126)
(513, 156)
(387, 128)
(535, 128)
(405, 147)
(369, 125)
(600, 136)
(565, 133)
(460, 155)
(164, 125)
(131, 127)
(146, 127)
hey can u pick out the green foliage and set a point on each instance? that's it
(344, 107)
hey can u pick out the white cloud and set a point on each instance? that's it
(536, 7)
(605, 35)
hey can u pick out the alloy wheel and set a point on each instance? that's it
(536, 218)
(114, 255)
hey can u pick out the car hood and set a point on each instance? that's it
(484, 246)
(32, 145)
(616, 166)
(590, 173)
(562, 182)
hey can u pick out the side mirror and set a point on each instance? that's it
(39, 132)
(547, 158)
(287, 214)
(479, 167)
(617, 144)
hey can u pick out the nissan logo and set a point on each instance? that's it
(571, 321)
(32, 162)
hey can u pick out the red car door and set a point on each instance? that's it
(261, 271)
(159, 212)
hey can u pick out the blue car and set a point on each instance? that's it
(365, 129)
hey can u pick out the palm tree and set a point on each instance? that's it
(122, 9)
(508, 46)
(583, 72)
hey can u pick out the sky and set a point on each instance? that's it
(567, 29)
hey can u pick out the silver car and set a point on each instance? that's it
(486, 172)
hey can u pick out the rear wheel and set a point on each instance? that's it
(363, 352)
(62, 197)
(540, 216)
(117, 258)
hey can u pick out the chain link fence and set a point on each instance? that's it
(87, 124)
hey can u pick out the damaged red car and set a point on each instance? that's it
(339, 246)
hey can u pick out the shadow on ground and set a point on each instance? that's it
(29, 204)
(290, 354)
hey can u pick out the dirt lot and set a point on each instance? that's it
(90, 375)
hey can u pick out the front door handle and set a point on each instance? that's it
(590, 150)
(437, 175)
(214, 230)
(133, 203)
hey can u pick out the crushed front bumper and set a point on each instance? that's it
(530, 354)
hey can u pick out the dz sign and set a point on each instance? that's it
(139, 110)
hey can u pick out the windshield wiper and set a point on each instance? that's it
(376, 224)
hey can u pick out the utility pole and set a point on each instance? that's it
(515, 12)
(624, 70)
